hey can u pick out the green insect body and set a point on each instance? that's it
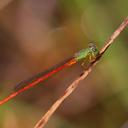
(91, 52)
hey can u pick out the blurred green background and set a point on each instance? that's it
(36, 34)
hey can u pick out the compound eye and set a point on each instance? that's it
(93, 49)
(91, 45)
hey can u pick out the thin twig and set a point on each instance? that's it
(41, 123)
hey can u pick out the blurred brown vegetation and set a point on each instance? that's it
(35, 35)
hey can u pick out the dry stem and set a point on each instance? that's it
(41, 123)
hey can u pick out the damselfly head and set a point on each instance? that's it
(94, 48)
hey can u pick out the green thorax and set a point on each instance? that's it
(91, 52)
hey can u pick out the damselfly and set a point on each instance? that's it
(91, 53)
